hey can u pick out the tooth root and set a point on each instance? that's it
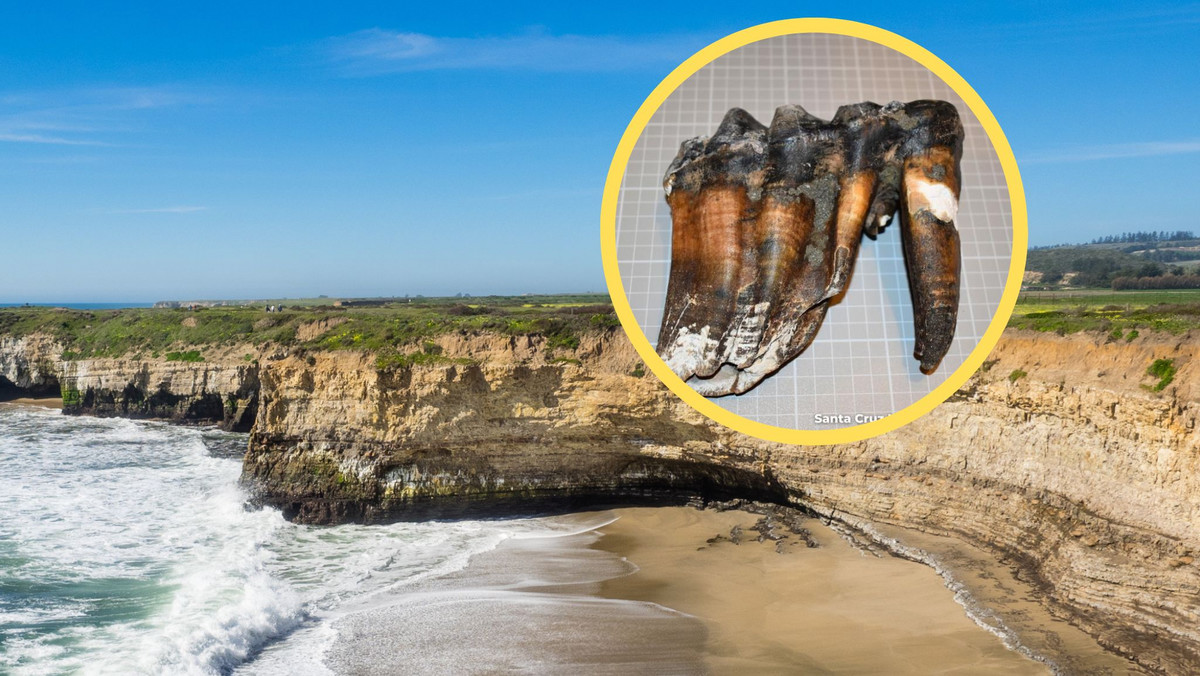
(711, 188)
(931, 250)
(885, 201)
(708, 255)
(740, 342)
(853, 204)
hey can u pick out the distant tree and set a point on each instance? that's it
(1150, 269)
(1145, 237)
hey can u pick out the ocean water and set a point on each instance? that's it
(128, 548)
(82, 306)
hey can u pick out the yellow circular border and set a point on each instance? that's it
(608, 231)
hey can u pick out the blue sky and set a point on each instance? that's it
(233, 150)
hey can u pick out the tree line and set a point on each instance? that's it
(1145, 236)
(1160, 282)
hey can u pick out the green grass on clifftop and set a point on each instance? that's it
(1120, 314)
(170, 332)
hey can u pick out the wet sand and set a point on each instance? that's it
(834, 609)
(44, 402)
(531, 606)
(668, 591)
(1003, 601)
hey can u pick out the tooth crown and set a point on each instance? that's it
(766, 224)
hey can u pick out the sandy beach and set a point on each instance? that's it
(675, 590)
(787, 608)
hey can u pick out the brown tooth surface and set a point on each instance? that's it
(853, 204)
(740, 343)
(712, 189)
(723, 217)
(709, 261)
(786, 228)
(931, 250)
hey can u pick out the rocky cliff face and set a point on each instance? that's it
(29, 366)
(223, 389)
(1059, 455)
(1078, 471)
(1074, 471)
(500, 424)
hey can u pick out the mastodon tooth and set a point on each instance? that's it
(712, 189)
(766, 227)
(929, 204)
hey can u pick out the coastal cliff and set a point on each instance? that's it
(500, 423)
(1063, 455)
(1059, 455)
(221, 390)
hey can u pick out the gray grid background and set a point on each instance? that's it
(861, 360)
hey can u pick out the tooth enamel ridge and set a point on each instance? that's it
(767, 222)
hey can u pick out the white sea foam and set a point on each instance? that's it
(127, 548)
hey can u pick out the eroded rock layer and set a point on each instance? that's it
(222, 389)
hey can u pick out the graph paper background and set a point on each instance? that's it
(860, 363)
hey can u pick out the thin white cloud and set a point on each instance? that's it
(143, 98)
(1086, 23)
(376, 51)
(1114, 152)
(85, 116)
(42, 138)
(160, 210)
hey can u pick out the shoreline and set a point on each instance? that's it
(40, 402)
(697, 591)
(778, 606)
(997, 596)
(531, 605)
(981, 583)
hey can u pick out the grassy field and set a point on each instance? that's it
(182, 334)
(1121, 314)
(400, 332)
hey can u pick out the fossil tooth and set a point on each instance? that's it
(767, 224)
(931, 245)
(712, 188)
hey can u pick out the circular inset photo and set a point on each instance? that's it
(814, 231)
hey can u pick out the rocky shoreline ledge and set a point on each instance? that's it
(1060, 455)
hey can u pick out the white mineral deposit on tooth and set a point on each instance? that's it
(689, 349)
(747, 332)
(937, 199)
